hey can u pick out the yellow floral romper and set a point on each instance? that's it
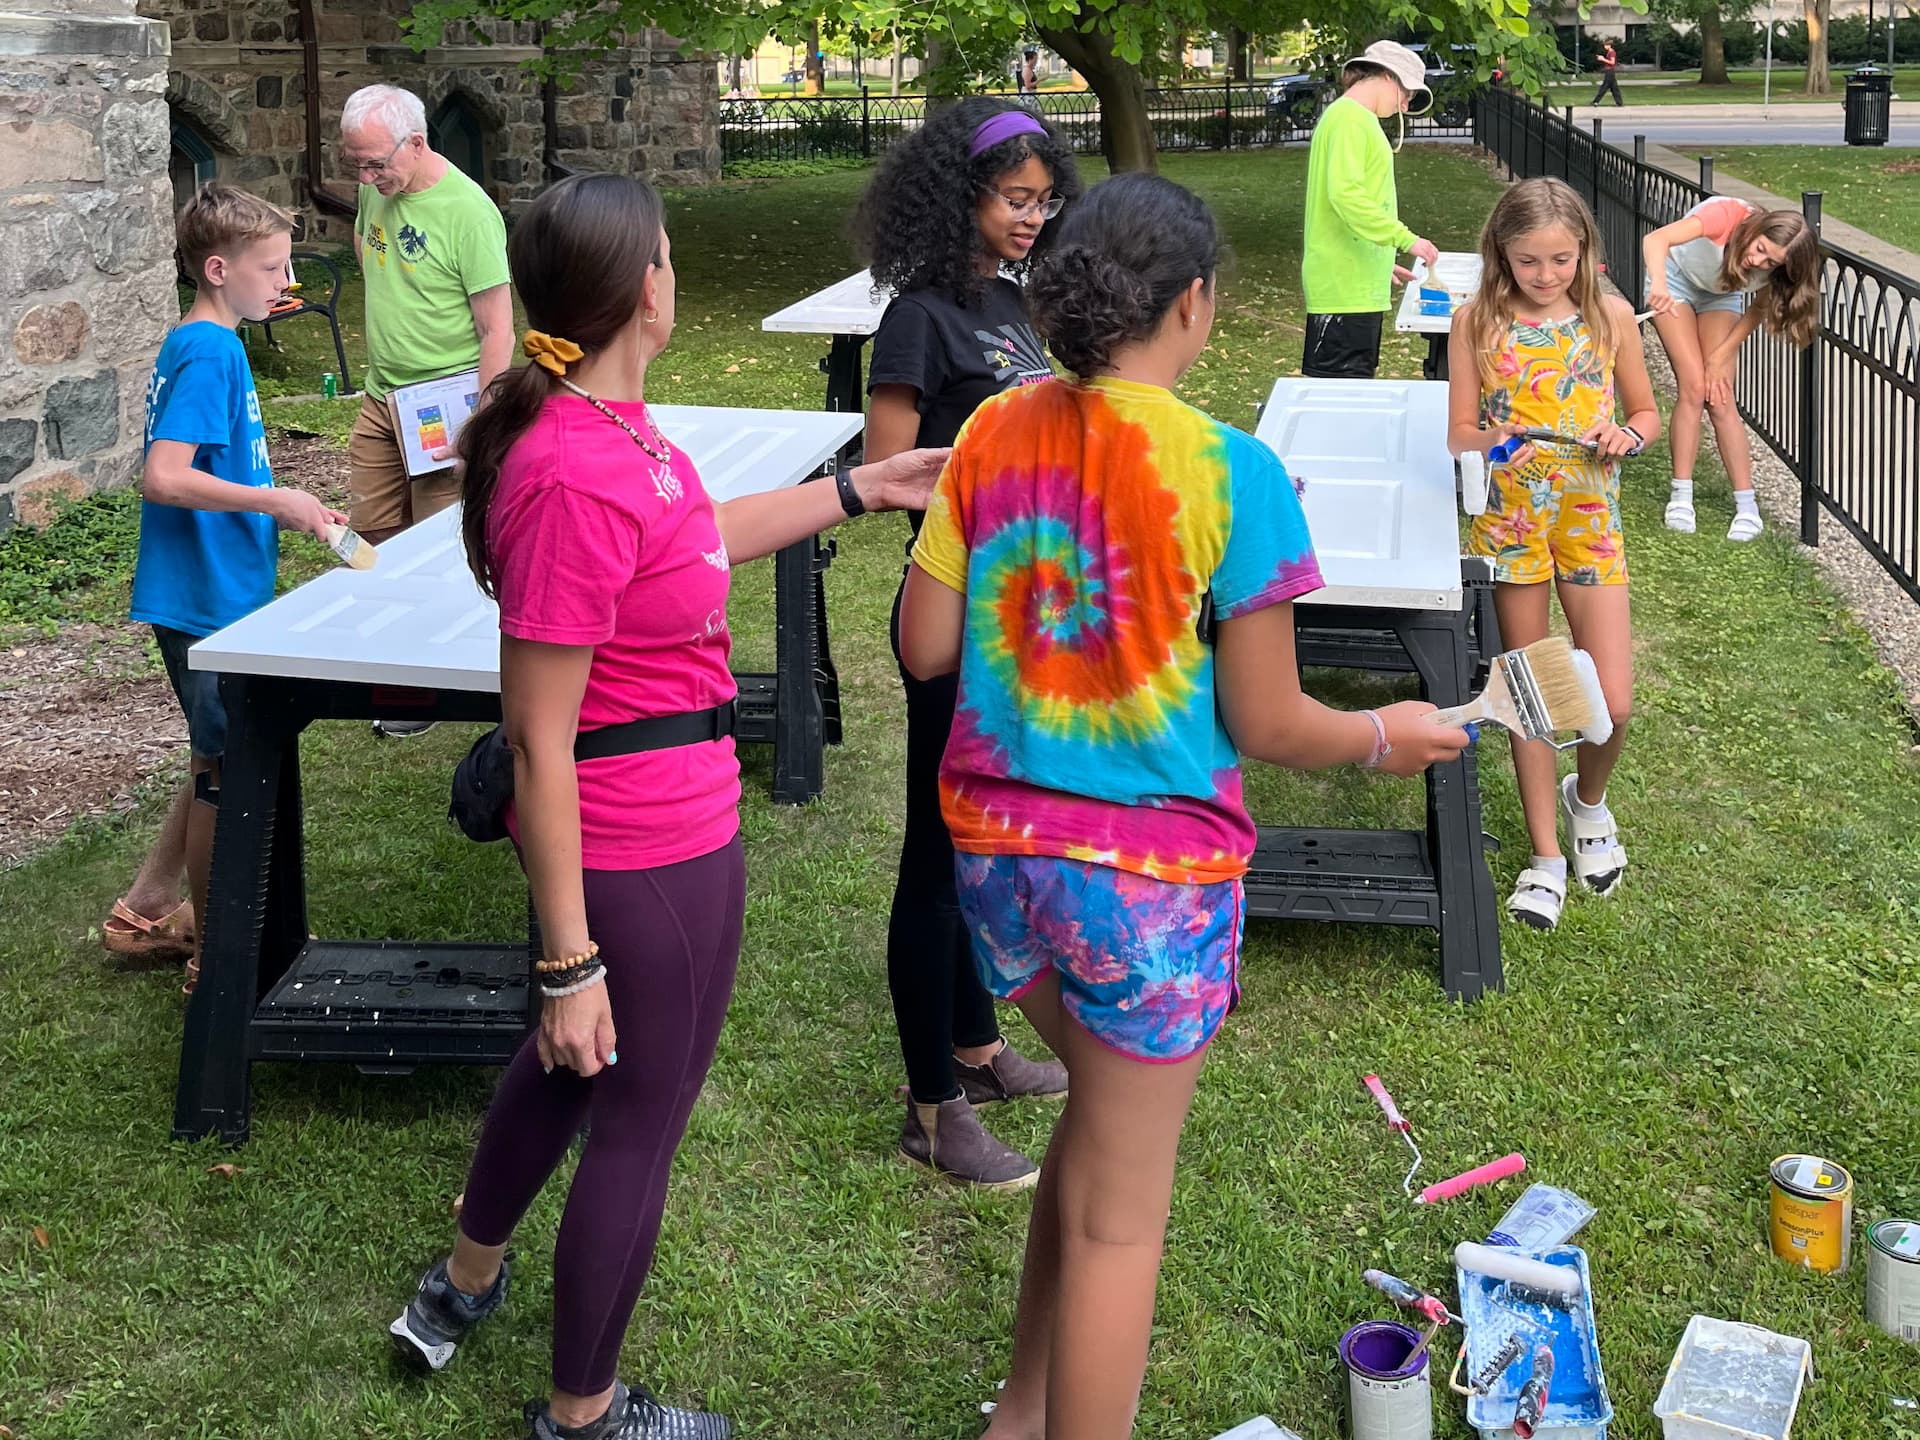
(1558, 516)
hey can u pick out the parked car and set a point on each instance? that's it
(1452, 87)
(1297, 100)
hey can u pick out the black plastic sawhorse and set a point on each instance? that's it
(1436, 877)
(269, 991)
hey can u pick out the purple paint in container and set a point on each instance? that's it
(1388, 1397)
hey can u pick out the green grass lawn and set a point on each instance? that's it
(1752, 990)
(1876, 190)
(1748, 87)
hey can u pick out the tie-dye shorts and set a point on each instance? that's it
(1148, 967)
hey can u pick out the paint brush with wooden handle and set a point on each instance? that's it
(351, 547)
(1539, 692)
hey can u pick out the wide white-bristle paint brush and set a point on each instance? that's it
(1540, 692)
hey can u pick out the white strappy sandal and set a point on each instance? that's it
(1745, 527)
(1679, 516)
(1598, 857)
(1538, 898)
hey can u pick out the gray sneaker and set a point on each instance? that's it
(1009, 1076)
(438, 1318)
(402, 729)
(949, 1139)
(633, 1415)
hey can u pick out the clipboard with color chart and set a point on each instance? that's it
(429, 416)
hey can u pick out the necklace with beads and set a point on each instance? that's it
(664, 454)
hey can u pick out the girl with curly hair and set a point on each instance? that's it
(1714, 276)
(951, 222)
(1093, 783)
(1539, 352)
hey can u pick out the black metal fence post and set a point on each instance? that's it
(1566, 147)
(1706, 173)
(1639, 212)
(866, 126)
(1812, 377)
(1599, 149)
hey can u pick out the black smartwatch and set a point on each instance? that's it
(849, 497)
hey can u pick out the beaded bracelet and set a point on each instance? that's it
(557, 992)
(567, 962)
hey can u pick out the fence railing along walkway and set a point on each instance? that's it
(1843, 415)
(1238, 115)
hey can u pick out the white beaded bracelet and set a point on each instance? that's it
(574, 989)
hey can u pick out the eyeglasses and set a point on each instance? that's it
(1021, 209)
(372, 167)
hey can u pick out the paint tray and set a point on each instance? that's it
(1732, 1382)
(1578, 1407)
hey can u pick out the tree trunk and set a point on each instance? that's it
(816, 67)
(934, 79)
(899, 62)
(733, 72)
(1713, 48)
(1239, 56)
(1126, 131)
(1819, 81)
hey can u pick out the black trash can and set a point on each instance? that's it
(1869, 106)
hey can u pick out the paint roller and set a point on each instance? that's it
(1498, 1263)
(1480, 1175)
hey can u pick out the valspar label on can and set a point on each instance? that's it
(1811, 1215)
(1893, 1278)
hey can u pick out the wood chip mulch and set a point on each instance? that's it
(90, 716)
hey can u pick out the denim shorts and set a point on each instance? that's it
(1687, 293)
(1148, 967)
(198, 692)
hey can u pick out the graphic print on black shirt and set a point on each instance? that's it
(956, 356)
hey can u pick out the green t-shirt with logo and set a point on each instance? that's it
(424, 255)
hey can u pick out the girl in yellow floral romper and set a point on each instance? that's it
(1542, 350)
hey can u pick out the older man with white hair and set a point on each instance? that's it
(434, 252)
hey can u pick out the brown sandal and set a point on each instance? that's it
(193, 976)
(171, 937)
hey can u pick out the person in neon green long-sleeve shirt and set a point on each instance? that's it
(1353, 221)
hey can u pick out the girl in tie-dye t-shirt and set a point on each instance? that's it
(1083, 544)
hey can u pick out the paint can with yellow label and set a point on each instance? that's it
(1811, 1215)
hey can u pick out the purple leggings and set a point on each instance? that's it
(670, 938)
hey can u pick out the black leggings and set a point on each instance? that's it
(938, 1001)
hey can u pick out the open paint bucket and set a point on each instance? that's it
(1893, 1278)
(1811, 1215)
(1389, 1396)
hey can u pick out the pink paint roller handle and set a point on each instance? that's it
(1385, 1102)
(1496, 1170)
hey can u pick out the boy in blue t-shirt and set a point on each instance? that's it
(209, 530)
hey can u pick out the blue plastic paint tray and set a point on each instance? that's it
(1578, 1407)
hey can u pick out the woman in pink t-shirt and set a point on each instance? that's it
(611, 566)
(1714, 276)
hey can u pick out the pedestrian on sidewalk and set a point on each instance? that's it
(1609, 74)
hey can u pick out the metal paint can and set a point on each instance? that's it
(1810, 1219)
(1388, 1398)
(1893, 1278)
(330, 385)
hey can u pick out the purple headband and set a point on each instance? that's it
(1003, 126)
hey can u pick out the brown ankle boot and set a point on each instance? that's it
(949, 1139)
(1009, 1075)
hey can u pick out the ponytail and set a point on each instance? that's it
(508, 410)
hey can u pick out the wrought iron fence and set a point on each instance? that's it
(1844, 414)
(1191, 117)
